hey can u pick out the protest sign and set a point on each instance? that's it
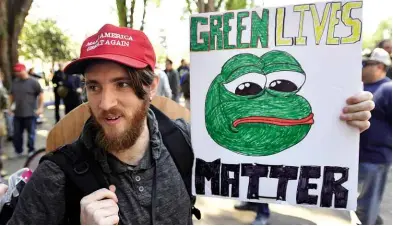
(267, 89)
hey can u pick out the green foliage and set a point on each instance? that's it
(384, 28)
(46, 41)
(235, 4)
(156, 2)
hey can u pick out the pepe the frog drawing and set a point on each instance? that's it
(252, 106)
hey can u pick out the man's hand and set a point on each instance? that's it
(3, 190)
(100, 207)
(358, 110)
(39, 111)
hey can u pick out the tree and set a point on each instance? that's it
(235, 4)
(203, 7)
(46, 41)
(127, 16)
(122, 12)
(384, 31)
(12, 18)
(215, 5)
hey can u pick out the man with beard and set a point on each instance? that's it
(125, 140)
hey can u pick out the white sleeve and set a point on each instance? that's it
(165, 82)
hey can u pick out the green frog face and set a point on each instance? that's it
(252, 106)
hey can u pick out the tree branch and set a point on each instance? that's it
(144, 14)
(219, 5)
(122, 12)
(189, 6)
(132, 13)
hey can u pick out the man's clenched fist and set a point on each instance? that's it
(100, 207)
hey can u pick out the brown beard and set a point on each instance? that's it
(128, 138)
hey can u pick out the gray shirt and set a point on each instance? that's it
(43, 198)
(25, 93)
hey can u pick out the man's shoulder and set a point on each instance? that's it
(184, 127)
(33, 81)
(387, 86)
(49, 172)
(384, 91)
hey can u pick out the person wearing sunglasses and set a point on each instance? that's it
(375, 155)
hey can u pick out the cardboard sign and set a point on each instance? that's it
(267, 89)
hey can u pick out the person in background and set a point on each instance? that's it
(3, 129)
(40, 118)
(58, 80)
(27, 93)
(173, 78)
(33, 74)
(185, 88)
(386, 44)
(163, 88)
(375, 155)
(183, 69)
(74, 86)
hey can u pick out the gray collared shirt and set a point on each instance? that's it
(43, 198)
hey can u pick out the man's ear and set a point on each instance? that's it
(154, 87)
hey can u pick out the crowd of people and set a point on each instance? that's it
(174, 83)
(122, 140)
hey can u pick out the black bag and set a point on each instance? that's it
(84, 176)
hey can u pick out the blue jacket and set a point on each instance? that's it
(376, 142)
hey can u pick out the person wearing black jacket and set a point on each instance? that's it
(174, 80)
(185, 88)
(74, 86)
(58, 80)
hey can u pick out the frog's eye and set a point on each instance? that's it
(285, 81)
(247, 85)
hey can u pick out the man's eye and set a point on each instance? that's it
(123, 84)
(92, 87)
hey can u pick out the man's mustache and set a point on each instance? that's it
(104, 114)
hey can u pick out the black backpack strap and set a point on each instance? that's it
(79, 166)
(180, 151)
(83, 176)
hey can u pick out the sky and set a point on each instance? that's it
(81, 18)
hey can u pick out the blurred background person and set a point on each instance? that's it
(3, 127)
(164, 88)
(185, 88)
(28, 96)
(174, 80)
(73, 96)
(375, 154)
(57, 81)
(183, 68)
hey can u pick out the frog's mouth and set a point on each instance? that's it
(275, 121)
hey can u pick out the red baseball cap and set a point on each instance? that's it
(119, 44)
(19, 67)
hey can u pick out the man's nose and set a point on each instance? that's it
(108, 100)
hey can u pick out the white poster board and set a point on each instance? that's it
(267, 89)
